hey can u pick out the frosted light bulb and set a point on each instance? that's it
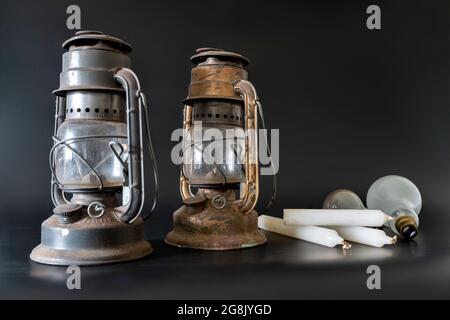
(399, 198)
(343, 199)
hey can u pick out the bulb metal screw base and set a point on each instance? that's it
(407, 227)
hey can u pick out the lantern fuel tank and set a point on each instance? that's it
(97, 184)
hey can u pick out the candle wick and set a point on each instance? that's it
(346, 245)
(394, 240)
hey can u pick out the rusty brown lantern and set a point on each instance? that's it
(220, 214)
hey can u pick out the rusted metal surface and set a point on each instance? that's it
(210, 228)
(197, 202)
(214, 75)
(201, 54)
(218, 91)
(218, 113)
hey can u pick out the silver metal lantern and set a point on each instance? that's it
(97, 164)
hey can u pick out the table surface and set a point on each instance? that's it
(283, 269)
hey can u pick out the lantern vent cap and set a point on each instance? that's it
(202, 54)
(92, 37)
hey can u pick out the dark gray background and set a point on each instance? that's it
(352, 105)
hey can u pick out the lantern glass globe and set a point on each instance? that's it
(214, 155)
(72, 158)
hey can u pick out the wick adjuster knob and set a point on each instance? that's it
(68, 213)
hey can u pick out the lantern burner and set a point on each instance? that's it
(95, 106)
(218, 112)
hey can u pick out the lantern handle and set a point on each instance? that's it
(151, 151)
(269, 153)
(250, 191)
(185, 188)
(134, 102)
(57, 194)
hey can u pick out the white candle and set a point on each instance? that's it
(335, 217)
(325, 237)
(368, 236)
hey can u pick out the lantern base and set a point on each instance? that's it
(214, 229)
(91, 242)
